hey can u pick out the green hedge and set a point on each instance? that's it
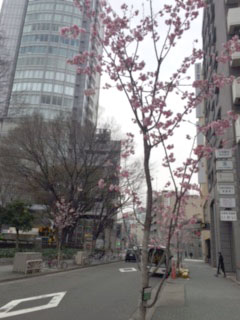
(7, 253)
(67, 253)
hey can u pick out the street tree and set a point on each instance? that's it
(18, 215)
(129, 37)
(63, 216)
(59, 159)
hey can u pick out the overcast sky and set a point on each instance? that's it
(116, 106)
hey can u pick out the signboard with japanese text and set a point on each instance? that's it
(228, 215)
(223, 153)
(225, 177)
(227, 202)
(226, 189)
(224, 165)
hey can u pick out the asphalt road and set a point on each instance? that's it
(101, 292)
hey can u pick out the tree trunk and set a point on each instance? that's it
(94, 241)
(17, 239)
(147, 226)
(178, 252)
(59, 238)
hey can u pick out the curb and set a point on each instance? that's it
(150, 311)
(25, 277)
(233, 280)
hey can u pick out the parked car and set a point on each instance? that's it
(130, 255)
(157, 261)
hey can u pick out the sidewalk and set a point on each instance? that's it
(203, 296)
(6, 273)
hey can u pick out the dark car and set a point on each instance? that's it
(130, 256)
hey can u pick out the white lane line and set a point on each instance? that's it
(5, 311)
(127, 270)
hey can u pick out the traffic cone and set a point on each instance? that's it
(173, 273)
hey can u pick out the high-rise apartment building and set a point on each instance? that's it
(39, 77)
(221, 22)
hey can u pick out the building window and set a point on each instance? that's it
(70, 78)
(46, 99)
(58, 17)
(49, 75)
(69, 91)
(57, 100)
(59, 76)
(58, 88)
(47, 87)
(67, 102)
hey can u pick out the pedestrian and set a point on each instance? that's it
(191, 255)
(220, 265)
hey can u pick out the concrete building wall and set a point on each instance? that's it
(224, 234)
(11, 23)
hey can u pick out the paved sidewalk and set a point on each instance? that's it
(203, 296)
(6, 273)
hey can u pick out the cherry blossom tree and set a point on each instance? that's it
(150, 94)
(64, 215)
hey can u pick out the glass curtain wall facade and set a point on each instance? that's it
(11, 23)
(43, 81)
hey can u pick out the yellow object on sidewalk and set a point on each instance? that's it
(183, 273)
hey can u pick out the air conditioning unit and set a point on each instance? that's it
(233, 20)
(236, 92)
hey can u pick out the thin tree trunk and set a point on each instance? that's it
(147, 226)
(59, 236)
(17, 239)
(94, 241)
(178, 253)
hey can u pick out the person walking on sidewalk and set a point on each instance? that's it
(220, 265)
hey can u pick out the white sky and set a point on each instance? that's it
(116, 106)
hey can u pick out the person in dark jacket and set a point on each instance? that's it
(220, 265)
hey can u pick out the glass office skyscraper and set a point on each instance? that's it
(40, 79)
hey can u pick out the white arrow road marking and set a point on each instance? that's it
(127, 269)
(5, 311)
